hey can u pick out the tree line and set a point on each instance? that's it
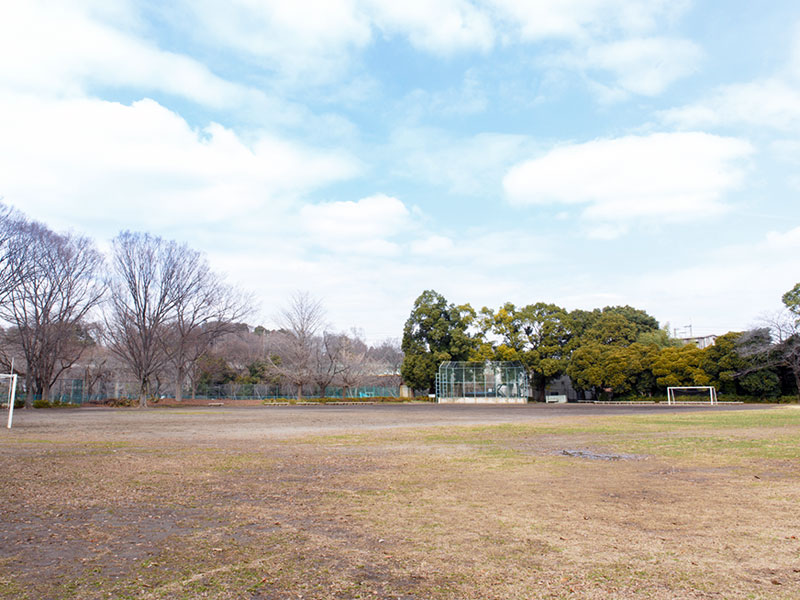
(612, 352)
(153, 311)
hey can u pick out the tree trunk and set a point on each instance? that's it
(796, 372)
(143, 394)
(28, 390)
(299, 392)
(179, 385)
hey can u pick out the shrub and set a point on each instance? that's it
(114, 402)
(53, 404)
(327, 400)
(757, 399)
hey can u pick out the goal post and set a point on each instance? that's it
(708, 390)
(11, 396)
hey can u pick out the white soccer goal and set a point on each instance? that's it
(693, 391)
(8, 385)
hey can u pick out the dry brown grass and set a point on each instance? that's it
(704, 506)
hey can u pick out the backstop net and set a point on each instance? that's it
(493, 382)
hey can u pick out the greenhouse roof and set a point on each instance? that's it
(477, 363)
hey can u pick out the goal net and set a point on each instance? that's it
(8, 394)
(692, 394)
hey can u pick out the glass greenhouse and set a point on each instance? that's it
(482, 382)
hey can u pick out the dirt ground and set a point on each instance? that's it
(412, 501)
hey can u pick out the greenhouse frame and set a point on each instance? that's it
(491, 382)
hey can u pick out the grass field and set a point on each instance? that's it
(668, 504)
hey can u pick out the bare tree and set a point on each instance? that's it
(145, 288)
(779, 323)
(291, 350)
(239, 348)
(327, 366)
(96, 365)
(206, 308)
(354, 364)
(387, 358)
(774, 345)
(52, 285)
(14, 250)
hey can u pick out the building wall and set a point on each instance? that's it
(563, 386)
(701, 342)
(482, 400)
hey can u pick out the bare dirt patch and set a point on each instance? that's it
(360, 502)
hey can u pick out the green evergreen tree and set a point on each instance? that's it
(435, 332)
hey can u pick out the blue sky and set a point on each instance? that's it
(581, 152)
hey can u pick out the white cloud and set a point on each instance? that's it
(308, 38)
(772, 102)
(88, 47)
(670, 176)
(65, 49)
(582, 19)
(470, 166)
(377, 215)
(72, 48)
(788, 150)
(783, 240)
(723, 290)
(645, 66)
(242, 195)
(610, 43)
(143, 165)
(433, 245)
(375, 289)
(360, 226)
(719, 290)
(606, 231)
(312, 41)
(441, 27)
(469, 98)
(493, 249)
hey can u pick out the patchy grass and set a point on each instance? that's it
(700, 505)
(716, 447)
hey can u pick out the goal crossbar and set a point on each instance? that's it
(712, 392)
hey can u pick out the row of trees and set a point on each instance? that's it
(298, 366)
(613, 351)
(303, 353)
(49, 284)
(162, 303)
(153, 311)
(156, 310)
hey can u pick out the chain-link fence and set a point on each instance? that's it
(76, 391)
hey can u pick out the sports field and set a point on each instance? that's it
(402, 502)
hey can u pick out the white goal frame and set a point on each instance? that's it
(712, 392)
(12, 395)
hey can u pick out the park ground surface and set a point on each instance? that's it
(413, 502)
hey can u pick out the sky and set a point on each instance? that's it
(580, 152)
